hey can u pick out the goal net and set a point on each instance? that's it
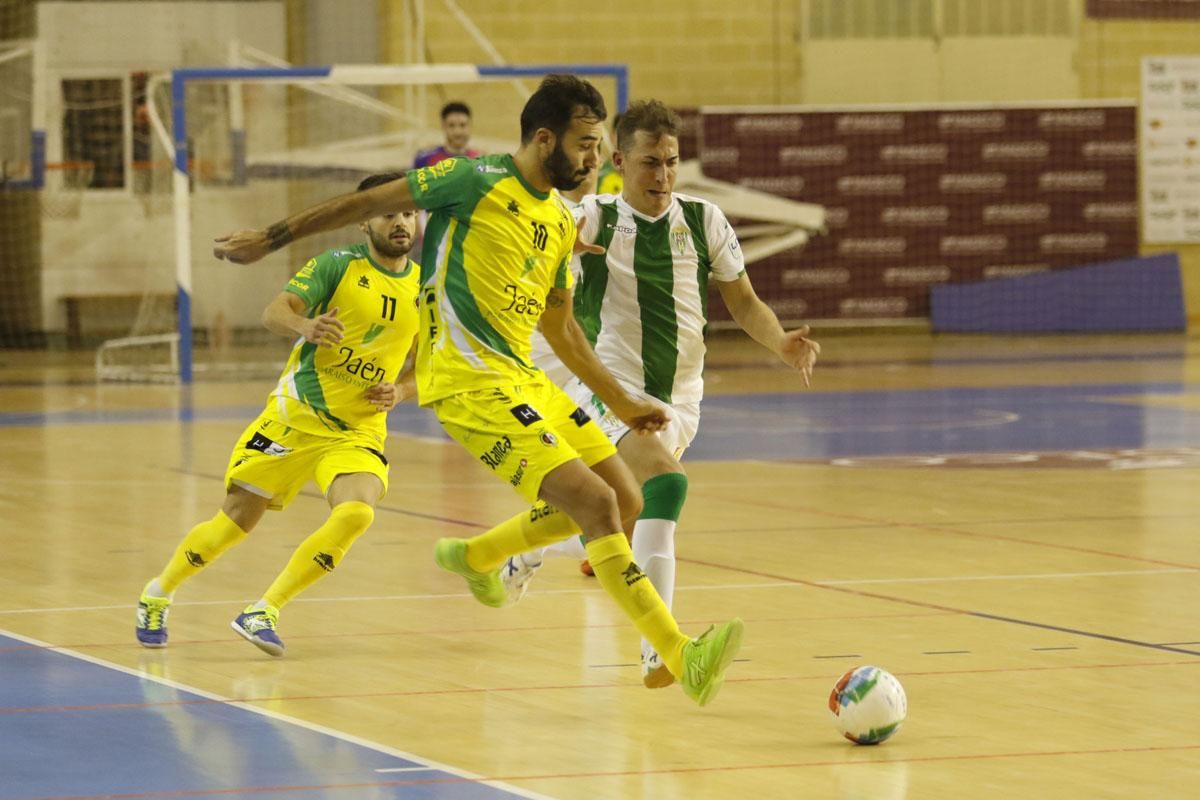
(263, 142)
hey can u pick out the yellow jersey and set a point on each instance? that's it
(322, 389)
(494, 247)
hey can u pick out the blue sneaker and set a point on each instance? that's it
(257, 626)
(152, 620)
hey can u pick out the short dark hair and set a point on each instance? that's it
(455, 107)
(651, 116)
(380, 177)
(557, 101)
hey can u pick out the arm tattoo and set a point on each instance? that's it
(554, 300)
(278, 235)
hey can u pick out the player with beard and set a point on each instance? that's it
(497, 255)
(354, 311)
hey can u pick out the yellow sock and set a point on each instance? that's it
(321, 552)
(612, 561)
(202, 545)
(539, 526)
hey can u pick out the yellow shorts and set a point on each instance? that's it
(275, 461)
(523, 432)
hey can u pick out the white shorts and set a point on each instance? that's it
(678, 435)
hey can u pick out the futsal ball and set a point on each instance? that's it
(868, 704)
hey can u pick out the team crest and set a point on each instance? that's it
(679, 240)
(549, 439)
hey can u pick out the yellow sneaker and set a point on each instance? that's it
(151, 626)
(706, 658)
(488, 588)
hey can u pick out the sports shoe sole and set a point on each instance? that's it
(732, 645)
(267, 647)
(153, 645)
(659, 678)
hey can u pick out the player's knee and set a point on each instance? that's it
(355, 516)
(629, 502)
(600, 504)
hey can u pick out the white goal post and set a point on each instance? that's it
(318, 76)
(767, 224)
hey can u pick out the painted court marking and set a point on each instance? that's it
(456, 774)
(784, 584)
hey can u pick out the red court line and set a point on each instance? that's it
(175, 643)
(512, 779)
(921, 604)
(823, 677)
(921, 526)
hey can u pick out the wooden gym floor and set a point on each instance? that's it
(1009, 525)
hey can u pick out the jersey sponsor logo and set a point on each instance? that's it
(298, 284)
(366, 370)
(539, 512)
(525, 414)
(513, 208)
(364, 283)
(498, 453)
(264, 445)
(519, 475)
(522, 303)
(373, 332)
(580, 417)
(488, 169)
(549, 439)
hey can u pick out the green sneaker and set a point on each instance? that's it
(451, 555)
(706, 658)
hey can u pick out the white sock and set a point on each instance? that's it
(571, 547)
(154, 589)
(654, 552)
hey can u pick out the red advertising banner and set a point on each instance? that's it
(1144, 9)
(922, 197)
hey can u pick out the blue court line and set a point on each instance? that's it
(826, 425)
(75, 726)
(1179, 356)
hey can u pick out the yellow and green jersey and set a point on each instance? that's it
(323, 389)
(494, 247)
(609, 180)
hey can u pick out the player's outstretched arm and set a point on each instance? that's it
(245, 247)
(567, 340)
(288, 316)
(757, 319)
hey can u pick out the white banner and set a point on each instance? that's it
(1170, 149)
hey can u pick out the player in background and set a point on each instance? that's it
(501, 244)
(643, 305)
(354, 311)
(456, 127)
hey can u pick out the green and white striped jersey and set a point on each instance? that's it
(643, 303)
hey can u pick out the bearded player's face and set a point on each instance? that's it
(576, 153)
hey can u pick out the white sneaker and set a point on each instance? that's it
(516, 574)
(655, 674)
